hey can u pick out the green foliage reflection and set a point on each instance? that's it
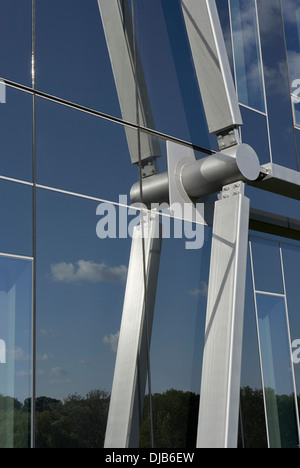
(80, 421)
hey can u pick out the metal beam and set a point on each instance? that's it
(280, 180)
(221, 374)
(212, 66)
(128, 392)
(129, 78)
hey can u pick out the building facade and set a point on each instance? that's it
(95, 97)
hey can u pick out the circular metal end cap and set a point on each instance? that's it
(247, 161)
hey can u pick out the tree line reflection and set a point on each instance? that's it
(80, 421)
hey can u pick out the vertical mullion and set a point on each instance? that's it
(33, 412)
(290, 341)
(259, 344)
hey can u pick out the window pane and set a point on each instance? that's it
(72, 59)
(296, 103)
(267, 266)
(82, 153)
(277, 83)
(177, 344)
(255, 133)
(80, 291)
(247, 54)
(291, 15)
(291, 262)
(16, 135)
(15, 352)
(252, 419)
(168, 71)
(276, 363)
(16, 218)
(16, 42)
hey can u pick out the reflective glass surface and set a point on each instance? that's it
(255, 133)
(16, 40)
(80, 291)
(131, 60)
(177, 344)
(15, 352)
(16, 119)
(167, 64)
(247, 55)
(273, 203)
(296, 103)
(267, 266)
(291, 15)
(16, 218)
(83, 153)
(252, 433)
(276, 364)
(277, 83)
(291, 259)
(224, 15)
(72, 59)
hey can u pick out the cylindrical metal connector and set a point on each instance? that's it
(203, 177)
(209, 175)
(155, 190)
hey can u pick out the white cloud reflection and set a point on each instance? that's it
(88, 271)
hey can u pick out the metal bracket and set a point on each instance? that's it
(232, 190)
(228, 138)
(149, 167)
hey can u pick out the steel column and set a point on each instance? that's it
(128, 74)
(128, 392)
(212, 65)
(220, 389)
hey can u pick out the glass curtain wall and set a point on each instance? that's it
(70, 131)
(270, 272)
(291, 15)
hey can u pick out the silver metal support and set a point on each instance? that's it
(129, 79)
(221, 375)
(188, 178)
(128, 392)
(212, 67)
(280, 180)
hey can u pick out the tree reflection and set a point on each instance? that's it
(80, 422)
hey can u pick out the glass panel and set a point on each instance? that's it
(224, 15)
(273, 203)
(16, 40)
(255, 133)
(267, 266)
(247, 54)
(252, 418)
(278, 380)
(15, 352)
(82, 153)
(296, 102)
(80, 291)
(168, 71)
(72, 59)
(16, 218)
(177, 344)
(291, 15)
(298, 139)
(277, 84)
(16, 135)
(291, 262)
